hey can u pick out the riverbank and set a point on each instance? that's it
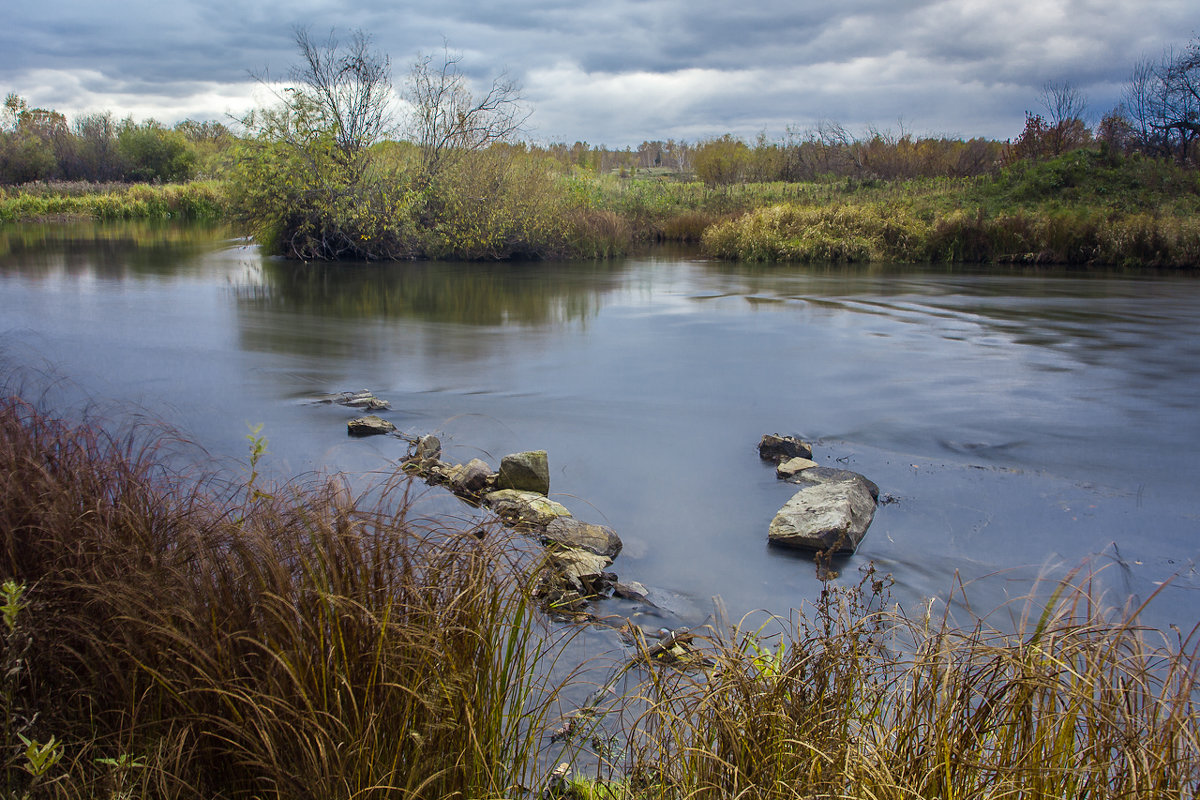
(1084, 208)
(168, 635)
(38, 202)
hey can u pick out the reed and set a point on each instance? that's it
(198, 640)
(860, 701)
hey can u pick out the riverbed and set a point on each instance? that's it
(1020, 422)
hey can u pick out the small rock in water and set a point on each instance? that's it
(427, 448)
(773, 447)
(793, 465)
(630, 590)
(529, 508)
(580, 570)
(570, 532)
(362, 399)
(525, 472)
(471, 478)
(369, 426)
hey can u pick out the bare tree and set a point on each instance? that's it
(1063, 102)
(448, 120)
(1182, 98)
(349, 89)
(1065, 114)
(1162, 100)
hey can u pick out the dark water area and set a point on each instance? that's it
(1020, 422)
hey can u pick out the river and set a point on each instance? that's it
(1019, 421)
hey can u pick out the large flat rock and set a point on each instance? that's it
(829, 515)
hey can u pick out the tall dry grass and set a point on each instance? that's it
(164, 635)
(860, 701)
(182, 637)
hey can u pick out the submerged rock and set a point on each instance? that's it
(827, 515)
(526, 472)
(361, 399)
(773, 447)
(630, 590)
(369, 426)
(529, 508)
(789, 468)
(570, 532)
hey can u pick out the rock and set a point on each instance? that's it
(526, 472)
(581, 570)
(369, 426)
(427, 448)
(529, 508)
(831, 475)
(363, 400)
(471, 478)
(433, 471)
(773, 447)
(570, 532)
(823, 516)
(793, 465)
(631, 590)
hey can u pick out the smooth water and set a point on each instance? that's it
(1020, 422)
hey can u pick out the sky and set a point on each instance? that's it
(615, 72)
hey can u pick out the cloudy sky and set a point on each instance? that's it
(616, 71)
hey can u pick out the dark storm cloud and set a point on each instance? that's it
(621, 70)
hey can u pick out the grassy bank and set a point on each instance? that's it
(198, 200)
(1082, 208)
(172, 637)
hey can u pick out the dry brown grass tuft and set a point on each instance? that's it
(195, 640)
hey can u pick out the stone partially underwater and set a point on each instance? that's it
(577, 555)
(833, 510)
(830, 513)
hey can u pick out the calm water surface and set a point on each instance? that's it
(1022, 422)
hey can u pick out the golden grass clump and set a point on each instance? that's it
(859, 701)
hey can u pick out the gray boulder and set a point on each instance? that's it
(470, 478)
(832, 475)
(369, 426)
(773, 447)
(527, 508)
(631, 590)
(526, 472)
(830, 515)
(570, 532)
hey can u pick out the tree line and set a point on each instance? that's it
(38, 144)
(345, 89)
